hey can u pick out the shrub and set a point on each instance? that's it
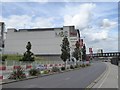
(17, 74)
(80, 65)
(68, 67)
(62, 68)
(46, 72)
(4, 57)
(76, 66)
(87, 64)
(55, 69)
(34, 72)
(83, 65)
(71, 67)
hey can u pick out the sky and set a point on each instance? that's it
(97, 21)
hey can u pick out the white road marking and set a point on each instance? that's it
(67, 78)
(32, 86)
(105, 78)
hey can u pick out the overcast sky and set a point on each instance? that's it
(97, 21)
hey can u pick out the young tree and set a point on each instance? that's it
(84, 53)
(76, 52)
(65, 48)
(28, 55)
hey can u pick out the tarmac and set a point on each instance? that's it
(109, 79)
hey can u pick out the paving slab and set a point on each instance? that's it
(109, 79)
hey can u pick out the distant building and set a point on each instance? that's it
(100, 51)
(45, 41)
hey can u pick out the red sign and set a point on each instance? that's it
(72, 31)
(28, 66)
(72, 34)
(2, 67)
(16, 67)
(1, 77)
(90, 49)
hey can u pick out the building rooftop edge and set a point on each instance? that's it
(38, 29)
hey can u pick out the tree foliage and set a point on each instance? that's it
(84, 52)
(28, 46)
(76, 52)
(65, 48)
(28, 55)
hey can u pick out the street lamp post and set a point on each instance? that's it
(2, 27)
(81, 43)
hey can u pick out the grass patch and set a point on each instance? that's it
(38, 58)
(17, 57)
(13, 57)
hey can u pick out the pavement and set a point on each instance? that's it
(109, 79)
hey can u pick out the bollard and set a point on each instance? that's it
(1, 77)
(2, 67)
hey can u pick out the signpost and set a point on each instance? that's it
(91, 52)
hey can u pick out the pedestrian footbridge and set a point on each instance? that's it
(113, 56)
(109, 54)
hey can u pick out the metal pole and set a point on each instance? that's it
(79, 40)
(3, 27)
(81, 52)
(2, 38)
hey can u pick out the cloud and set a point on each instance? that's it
(25, 21)
(107, 24)
(91, 0)
(100, 40)
(16, 21)
(108, 45)
(95, 35)
(59, 0)
(82, 16)
(0, 18)
(24, 0)
(80, 19)
(103, 35)
(43, 22)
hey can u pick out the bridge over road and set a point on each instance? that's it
(114, 56)
(109, 54)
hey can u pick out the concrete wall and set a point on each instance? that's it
(43, 42)
(115, 60)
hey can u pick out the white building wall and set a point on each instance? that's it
(43, 42)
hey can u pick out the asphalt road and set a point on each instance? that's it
(73, 79)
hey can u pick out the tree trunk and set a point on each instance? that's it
(65, 64)
(76, 62)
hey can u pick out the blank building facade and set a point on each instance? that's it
(45, 41)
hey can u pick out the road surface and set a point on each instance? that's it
(74, 79)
